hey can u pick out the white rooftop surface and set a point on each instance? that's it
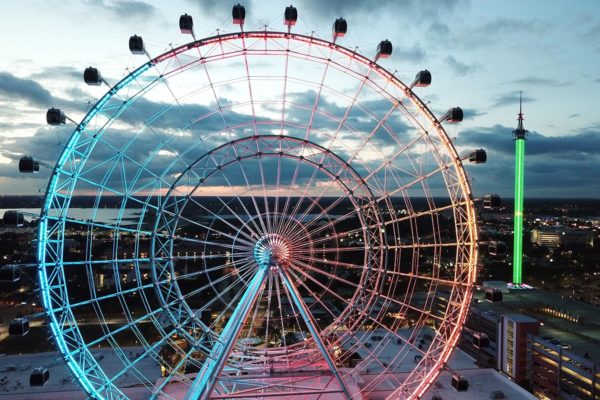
(17, 368)
(483, 384)
(402, 356)
(314, 387)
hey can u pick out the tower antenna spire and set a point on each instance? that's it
(520, 132)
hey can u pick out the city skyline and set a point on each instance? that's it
(480, 55)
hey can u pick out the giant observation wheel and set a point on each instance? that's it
(269, 214)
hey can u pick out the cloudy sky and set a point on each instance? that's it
(480, 53)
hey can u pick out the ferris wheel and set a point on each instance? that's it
(266, 214)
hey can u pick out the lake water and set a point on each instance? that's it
(108, 215)
(130, 215)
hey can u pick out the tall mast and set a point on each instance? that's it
(519, 138)
(520, 132)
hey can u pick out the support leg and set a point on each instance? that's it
(206, 379)
(312, 327)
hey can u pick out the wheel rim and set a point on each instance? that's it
(425, 158)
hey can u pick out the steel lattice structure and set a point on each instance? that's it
(288, 213)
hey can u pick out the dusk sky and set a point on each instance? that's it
(480, 53)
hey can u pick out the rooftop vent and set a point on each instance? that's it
(460, 383)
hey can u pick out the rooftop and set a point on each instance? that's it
(484, 383)
(520, 318)
(17, 368)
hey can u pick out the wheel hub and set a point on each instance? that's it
(273, 250)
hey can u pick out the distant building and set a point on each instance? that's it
(513, 331)
(564, 366)
(556, 373)
(72, 246)
(559, 237)
(497, 285)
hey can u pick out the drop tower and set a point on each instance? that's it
(519, 139)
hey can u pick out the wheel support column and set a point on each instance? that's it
(312, 327)
(205, 381)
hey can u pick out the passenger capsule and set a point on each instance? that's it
(92, 76)
(384, 49)
(239, 14)
(10, 274)
(136, 45)
(491, 201)
(290, 16)
(422, 79)
(340, 27)
(28, 165)
(453, 115)
(186, 24)
(13, 218)
(55, 116)
(497, 248)
(478, 156)
(39, 376)
(18, 327)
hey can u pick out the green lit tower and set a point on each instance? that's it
(519, 138)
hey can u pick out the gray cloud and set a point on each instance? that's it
(592, 33)
(573, 115)
(503, 25)
(126, 9)
(583, 144)
(406, 9)
(175, 116)
(553, 163)
(460, 68)
(363, 117)
(59, 72)
(439, 30)
(414, 53)
(499, 139)
(77, 93)
(470, 113)
(99, 166)
(45, 145)
(217, 9)
(165, 118)
(539, 81)
(557, 166)
(22, 125)
(482, 35)
(24, 89)
(559, 178)
(511, 98)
